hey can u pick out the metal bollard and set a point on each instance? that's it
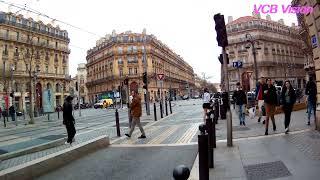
(210, 139)
(155, 111)
(117, 123)
(166, 107)
(181, 172)
(161, 113)
(203, 154)
(215, 121)
(170, 106)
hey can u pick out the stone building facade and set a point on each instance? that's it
(120, 56)
(310, 24)
(81, 78)
(278, 50)
(34, 57)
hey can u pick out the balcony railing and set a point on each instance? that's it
(308, 65)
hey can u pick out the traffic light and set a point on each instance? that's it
(77, 86)
(221, 58)
(145, 78)
(221, 30)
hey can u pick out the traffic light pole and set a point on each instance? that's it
(226, 81)
(146, 72)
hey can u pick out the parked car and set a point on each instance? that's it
(185, 97)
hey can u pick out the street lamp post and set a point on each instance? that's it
(251, 41)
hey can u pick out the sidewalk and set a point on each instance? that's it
(293, 156)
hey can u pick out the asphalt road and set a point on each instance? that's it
(132, 163)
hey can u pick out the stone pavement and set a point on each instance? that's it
(292, 156)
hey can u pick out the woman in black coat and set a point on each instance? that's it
(68, 119)
(288, 97)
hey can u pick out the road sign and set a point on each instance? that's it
(160, 77)
(314, 41)
(237, 64)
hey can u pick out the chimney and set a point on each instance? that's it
(268, 17)
(230, 19)
(281, 21)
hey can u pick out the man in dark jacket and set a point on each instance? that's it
(12, 112)
(68, 119)
(270, 100)
(240, 100)
(311, 91)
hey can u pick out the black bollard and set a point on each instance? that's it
(117, 123)
(161, 113)
(155, 111)
(181, 172)
(215, 120)
(210, 139)
(166, 107)
(203, 154)
(170, 106)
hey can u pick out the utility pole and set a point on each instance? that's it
(146, 72)
(222, 40)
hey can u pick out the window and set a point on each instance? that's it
(47, 42)
(129, 49)
(38, 40)
(120, 50)
(37, 55)
(47, 56)
(135, 70)
(56, 44)
(64, 70)
(16, 52)
(134, 49)
(18, 34)
(130, 71)
(15, 66)
(5, 49)
(56, 70)
(121, 72)
(120, 61)
(56, 57)
(47, 69)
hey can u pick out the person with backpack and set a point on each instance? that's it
(241, 101)
(311, 92)
(288, 98)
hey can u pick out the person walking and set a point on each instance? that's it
(68, 119)
(261, 87)
(241, 103)
(311, 91)
(206, 103)
(12, 112)
(288, 98)
(270, 100)
(136, 112)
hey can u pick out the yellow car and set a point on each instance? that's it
(103, 103)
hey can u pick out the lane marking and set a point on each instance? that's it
(183, 138)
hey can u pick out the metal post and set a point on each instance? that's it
(210, 139)
(170, 106)
(203, 154)
(166, 104)
(146, 71)
(229, 117)
(155, 111)
(117, 123)
(161, 112)
(255, 61)
(48, 116)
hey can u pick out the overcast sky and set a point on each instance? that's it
(186, 26)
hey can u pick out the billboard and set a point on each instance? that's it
(48, 101)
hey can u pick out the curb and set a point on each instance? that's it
(33, 149)
(38, 167)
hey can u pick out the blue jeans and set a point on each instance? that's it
(241, 113)
(311, 108)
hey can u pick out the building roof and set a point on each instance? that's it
(250, 18)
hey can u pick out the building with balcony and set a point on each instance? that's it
(310, 24)
(34, 57)
(120, 56)
(81, 79)
(278, 51)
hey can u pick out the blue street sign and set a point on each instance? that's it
(314, 42)
(237, 64)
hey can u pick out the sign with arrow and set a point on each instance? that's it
(237, 64)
